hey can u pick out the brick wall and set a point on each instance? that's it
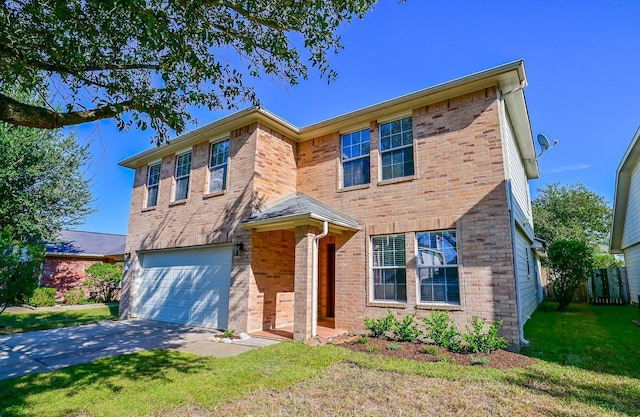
(458, 184)
(65, 273)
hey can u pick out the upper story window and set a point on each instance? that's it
(355, 158)
(218, 166)
(153, 182)
(183, 170)
(396, 148)
(437, 264)
(389, 268)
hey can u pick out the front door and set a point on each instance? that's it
(331, 280)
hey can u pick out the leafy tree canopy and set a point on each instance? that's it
(144, 62)
(571, 264)
(571, 212)
(42, 184)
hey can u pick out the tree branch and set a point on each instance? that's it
(17, 113)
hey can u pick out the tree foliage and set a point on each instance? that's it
(145, 62)
(19, 263)
(571, 212)
(104, 281)
(42, 184)
(571, 264)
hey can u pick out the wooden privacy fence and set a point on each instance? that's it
(605, 286)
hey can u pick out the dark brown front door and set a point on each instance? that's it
(331, 279)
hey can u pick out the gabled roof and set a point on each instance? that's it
(299, 209)
(621, 195)
(79, 243)
(510, 78)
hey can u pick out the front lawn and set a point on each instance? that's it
(294, 379)
(52, 319)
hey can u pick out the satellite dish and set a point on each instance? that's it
(544, 142)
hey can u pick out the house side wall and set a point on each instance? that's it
(632, 263)
(517, 177)
(631, 232)
(275, 166)
(527, 276)
(459, 183)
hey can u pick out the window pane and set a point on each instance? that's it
(152, 196)
(217, 179)
(389, 268)
(182, 188)
(442, 243)
(356, 172)
(154, 175)
(183, 165)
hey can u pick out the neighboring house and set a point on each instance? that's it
(75, 251)
(625, 236)
(415, 204)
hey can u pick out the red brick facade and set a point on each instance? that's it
(459, 183)
(66, 273)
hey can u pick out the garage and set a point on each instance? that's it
(187, 286)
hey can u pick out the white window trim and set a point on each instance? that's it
(187, 176)
(458, 265)
(157, 185)
(343, 161)
(372, 298)
(212, 167)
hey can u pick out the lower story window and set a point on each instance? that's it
(389, 268)
(437, 265)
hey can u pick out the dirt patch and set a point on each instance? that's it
(500, 359)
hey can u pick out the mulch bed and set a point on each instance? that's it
(500, 359)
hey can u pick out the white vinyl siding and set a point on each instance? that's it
(631, 234)
(527, 276)
(632, 263)
(517, 174)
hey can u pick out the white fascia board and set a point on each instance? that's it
(621, 192)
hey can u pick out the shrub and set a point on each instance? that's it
(379, 327)
(571, 264)
(442, 331)
(104, 281)
(372, 348)
(431, 349)
(479, 361)
(394, 346)
(229, 333)
(407, 330)
(43, 297)
(362, 340)
(74, 297)
(481, 342)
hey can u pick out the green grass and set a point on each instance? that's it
(597, 338)
(52, 319)
(586, 368)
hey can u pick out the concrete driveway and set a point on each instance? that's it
(47, 350)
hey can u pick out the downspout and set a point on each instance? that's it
(512, 219)
(314, 285)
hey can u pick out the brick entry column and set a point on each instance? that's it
(302, 303)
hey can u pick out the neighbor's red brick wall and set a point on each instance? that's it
(66, 273)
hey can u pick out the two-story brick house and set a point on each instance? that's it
(414, 204)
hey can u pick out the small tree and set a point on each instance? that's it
(19, 264)
(571, 263)
(104, 281)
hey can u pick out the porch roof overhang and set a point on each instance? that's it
(299, 209)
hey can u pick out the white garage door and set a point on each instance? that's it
(189, 286)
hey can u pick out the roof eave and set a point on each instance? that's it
(621, 193)
(220, 128)
(291, 221)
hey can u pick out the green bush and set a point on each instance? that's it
(571, 264)
(443, 331)
(431, 349)
(394, 346)
(407, 330)
(43, 297)
(380, 327)
(75, 297)
(484, 342)
(104, 281)
(362, 340)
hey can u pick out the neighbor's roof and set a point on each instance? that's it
(621, 196)
(507, 77)
(299, 209)
(78, 243)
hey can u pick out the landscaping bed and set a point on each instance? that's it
(499, 359)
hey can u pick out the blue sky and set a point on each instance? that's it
(582, 60)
